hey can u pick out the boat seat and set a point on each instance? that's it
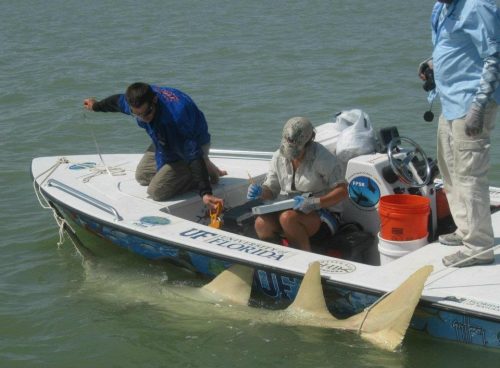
(350, 242)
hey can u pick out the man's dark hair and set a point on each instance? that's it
(138, 94)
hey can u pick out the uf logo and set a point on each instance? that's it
(278, 286)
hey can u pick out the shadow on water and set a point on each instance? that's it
(160, 299)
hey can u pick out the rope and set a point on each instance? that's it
(95, 141)
(368, 310)
(112, 171)
(98, 170)
(451, 267)
(45, 204)
(61, 222)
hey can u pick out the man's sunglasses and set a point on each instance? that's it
(148, 112)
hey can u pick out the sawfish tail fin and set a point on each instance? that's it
(233, 285)
(385, 323)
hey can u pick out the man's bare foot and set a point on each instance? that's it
(214, 172)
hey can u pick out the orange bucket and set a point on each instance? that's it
(403, 217)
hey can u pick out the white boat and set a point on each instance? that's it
(100, 194)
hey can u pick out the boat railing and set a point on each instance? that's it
(250, 155)
(84, 197)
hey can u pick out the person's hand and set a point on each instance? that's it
(211, 201)
(474, 120)
(306, 205)
(423, 66)
(254, 191)
(88, 103)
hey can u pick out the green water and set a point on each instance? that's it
(249, 66)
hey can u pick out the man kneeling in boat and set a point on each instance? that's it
(298, 167)
(177, 160)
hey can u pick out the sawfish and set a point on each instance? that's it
(384, 324)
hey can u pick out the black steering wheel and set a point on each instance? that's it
(411, 164)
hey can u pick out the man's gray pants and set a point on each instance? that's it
(172, 179)
(464, 163)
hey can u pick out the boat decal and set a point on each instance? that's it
(336, 266)
(234, 244)
(475, 303)
(466, 332)
(148, 221)
(364, 191)
(82, 166)
(483, 305)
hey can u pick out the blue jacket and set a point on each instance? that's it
(178, 129)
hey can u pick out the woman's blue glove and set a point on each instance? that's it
(306, 204)
(254, 191)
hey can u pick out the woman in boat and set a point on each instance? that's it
(177, 160)
(306, 171)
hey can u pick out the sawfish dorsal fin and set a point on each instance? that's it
(385, 323)
(310, 298)
(233, 285)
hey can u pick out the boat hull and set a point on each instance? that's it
(275, 286)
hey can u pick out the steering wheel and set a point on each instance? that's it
(414, 169)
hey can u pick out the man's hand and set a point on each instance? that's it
(88, 103)
(474, 120)
(423, 66)
(211, 201)
(306, 205)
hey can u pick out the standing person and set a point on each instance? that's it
(177, 159)
(466, 64)
(301, 166)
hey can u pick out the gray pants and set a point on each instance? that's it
(172, 179)
(464, 163)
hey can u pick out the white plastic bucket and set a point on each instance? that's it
(390, 250)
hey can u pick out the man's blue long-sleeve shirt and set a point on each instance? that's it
(178, 130)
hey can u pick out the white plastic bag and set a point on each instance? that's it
(357, 136)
